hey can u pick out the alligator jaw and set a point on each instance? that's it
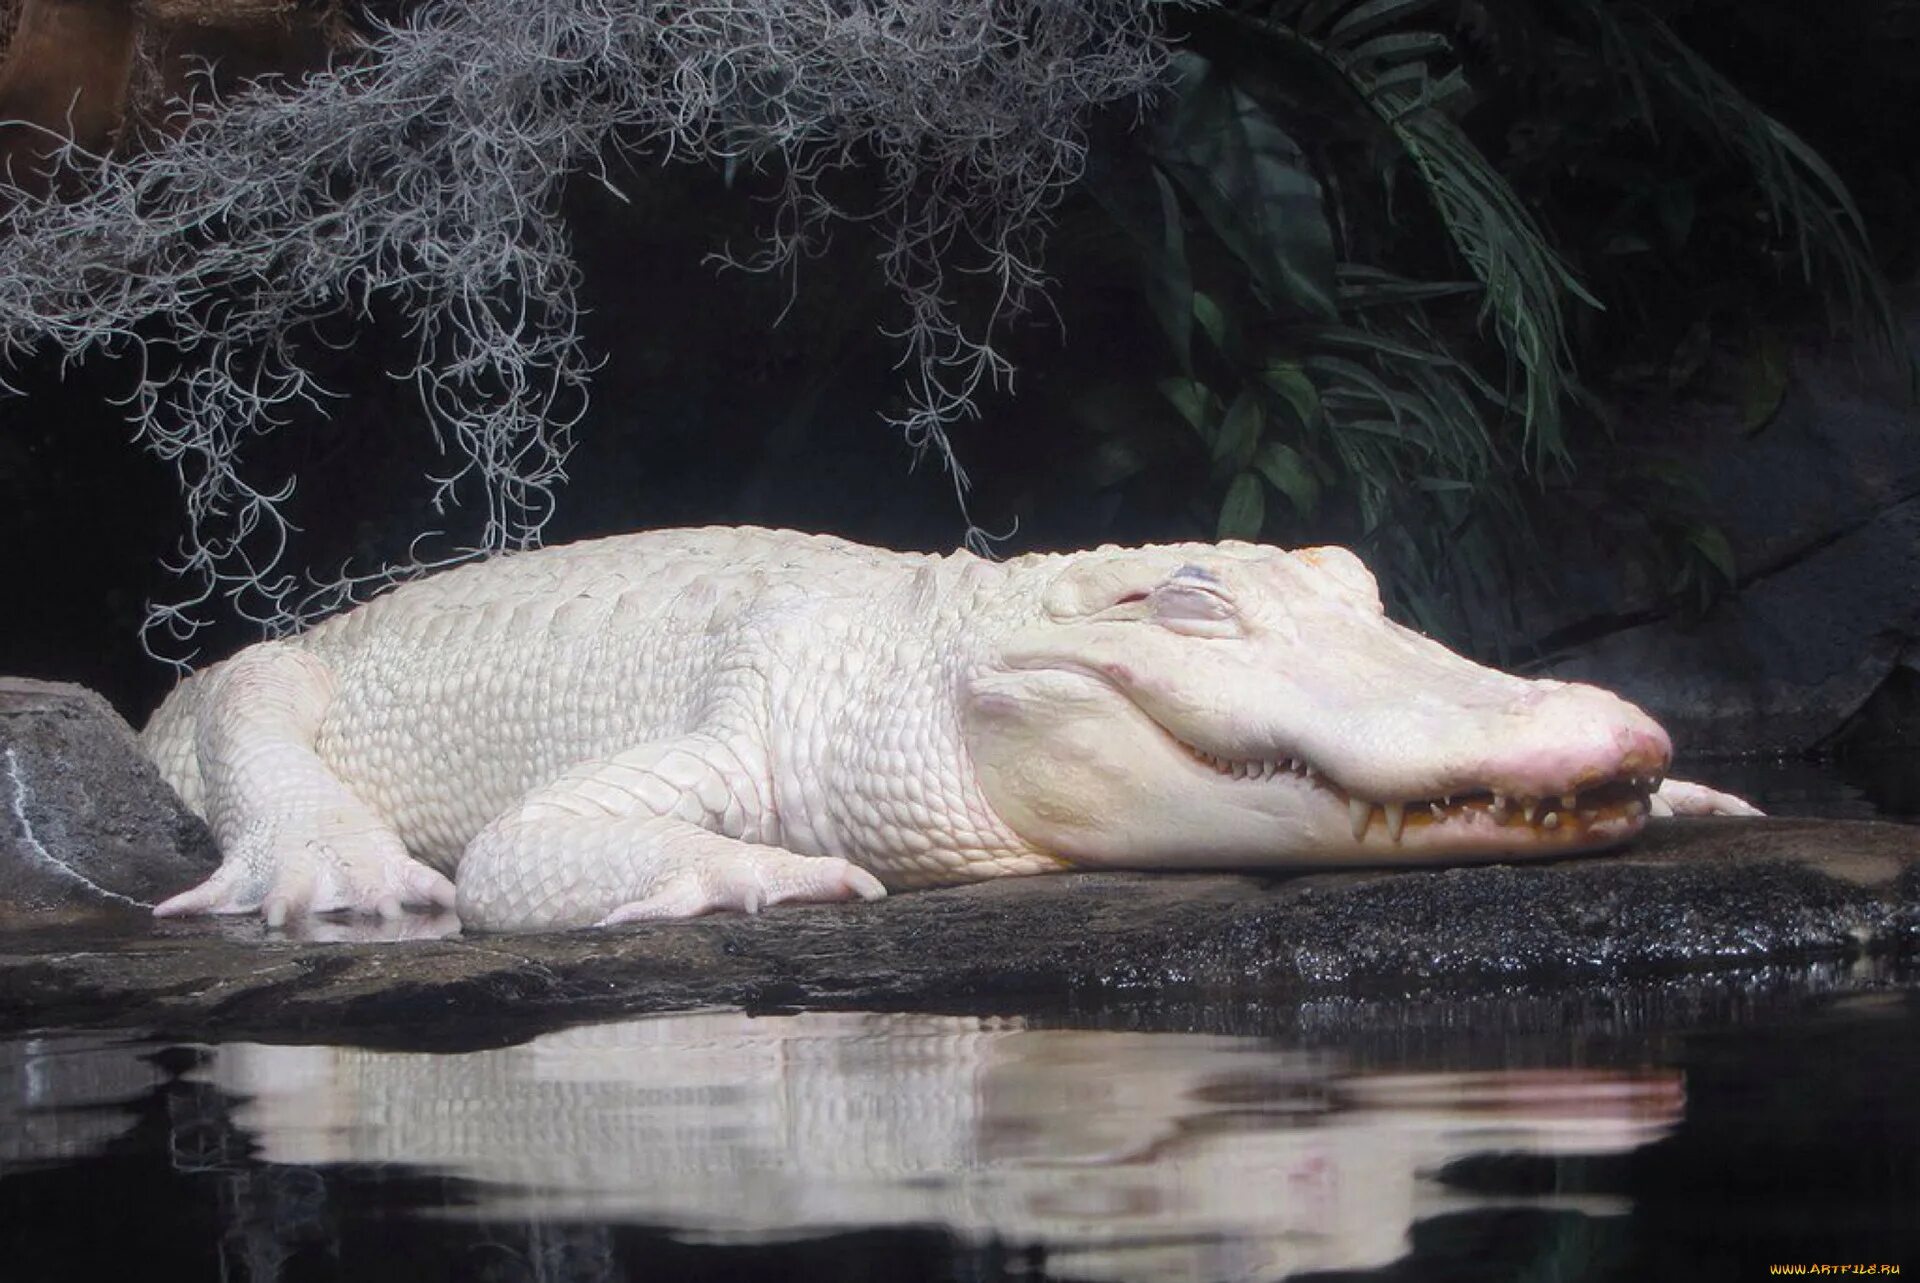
(1602, 810)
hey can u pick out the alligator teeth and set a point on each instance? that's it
(1548, 813)
(1264, 768)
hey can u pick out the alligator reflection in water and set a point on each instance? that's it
(1123, 1152)
(1123, 1155)
(56, 1095)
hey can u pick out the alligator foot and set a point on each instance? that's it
(294, 839)
(1677, 797)
(284, 876)
(749, 881)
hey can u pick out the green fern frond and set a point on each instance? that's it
(1807, 200)
(1526, 285)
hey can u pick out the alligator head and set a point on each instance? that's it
(1236, 704)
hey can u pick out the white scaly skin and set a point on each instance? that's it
(667, 724)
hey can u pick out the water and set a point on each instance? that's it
(1883, 785)
(720, 1145)
(1701, 1128)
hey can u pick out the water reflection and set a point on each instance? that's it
(65, 1097)
(1127, 1156)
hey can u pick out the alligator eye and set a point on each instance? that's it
(1191, 599)
(1189, 602)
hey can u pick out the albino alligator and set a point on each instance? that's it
(662, 725)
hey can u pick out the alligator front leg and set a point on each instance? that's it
(663, 831)
(1678, 797)
(293, 838)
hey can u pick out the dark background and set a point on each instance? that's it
(707, 411)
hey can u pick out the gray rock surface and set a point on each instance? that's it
(84, 817)
(1822, 509)
(1788, 661)
(1693, 896)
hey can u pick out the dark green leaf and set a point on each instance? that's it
(1293, 386)
(1452, 94)
(1712, 545)
(1244, 511)
(1287, 472)
(1363, 286)
(1239, 431)
(1372, 16)
(1215, 323)
(1356, 381)
(1252, 187)
(1401, 46)
(1763, 379)
(1389, 428)
(1348, 336)
(1194, 402)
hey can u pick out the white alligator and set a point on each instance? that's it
(663, 725)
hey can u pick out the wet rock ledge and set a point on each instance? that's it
(78, 948)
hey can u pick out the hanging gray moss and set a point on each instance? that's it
(424, 175)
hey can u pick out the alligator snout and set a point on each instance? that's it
(1564, 738)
